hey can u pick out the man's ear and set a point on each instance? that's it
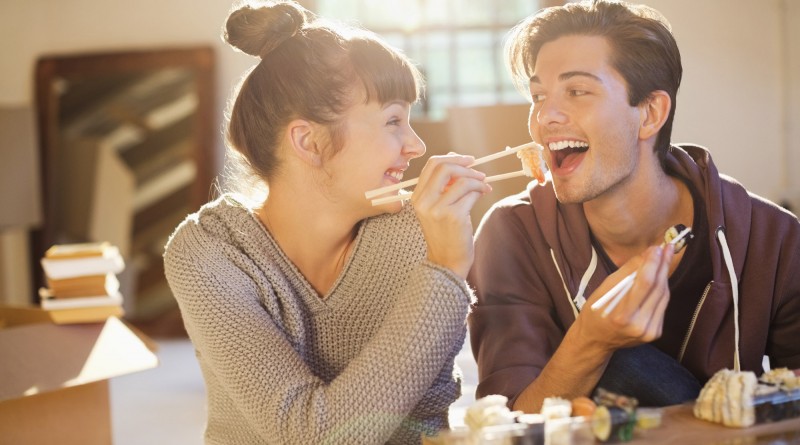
(654, 112)
(304, 137)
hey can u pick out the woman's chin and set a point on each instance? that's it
(391, 207)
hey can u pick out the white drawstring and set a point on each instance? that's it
(569, 297)
(580, 299)
(735, 290)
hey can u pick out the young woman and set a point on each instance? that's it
(316, 317)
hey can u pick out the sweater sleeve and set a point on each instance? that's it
(249, 355)
(512, 326)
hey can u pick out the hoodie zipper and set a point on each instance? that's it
(694, 319)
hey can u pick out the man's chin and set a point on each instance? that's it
(566, 196)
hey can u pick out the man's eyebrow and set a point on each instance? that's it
(568, 75)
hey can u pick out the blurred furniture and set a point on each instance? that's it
(19, 181)
(126, 154)
(19, 158)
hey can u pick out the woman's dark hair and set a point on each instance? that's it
(309, 69)
(644, 50)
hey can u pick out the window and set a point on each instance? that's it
(458, 44)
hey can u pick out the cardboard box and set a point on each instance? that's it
(54, 378)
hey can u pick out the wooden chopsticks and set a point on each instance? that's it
(411, 182)
(615, 294)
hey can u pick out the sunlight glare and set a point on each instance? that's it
(402, 14)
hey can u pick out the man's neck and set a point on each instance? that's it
(635, 215)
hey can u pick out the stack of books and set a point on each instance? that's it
(82, 276)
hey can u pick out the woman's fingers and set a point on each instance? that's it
(445, 183)
(443, 198)
(437, 166)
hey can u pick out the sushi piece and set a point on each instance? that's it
(612, 423)
(675, 232)
(532, 162)
(727, 398)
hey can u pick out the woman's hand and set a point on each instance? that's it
(442, 199)
(639, 316)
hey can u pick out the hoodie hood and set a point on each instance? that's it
(729, 208)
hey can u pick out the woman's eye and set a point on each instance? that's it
(536, 98)
(578, 92)
(393, 121)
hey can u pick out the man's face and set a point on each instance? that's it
(580, 114)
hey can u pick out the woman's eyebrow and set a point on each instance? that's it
(402, 103)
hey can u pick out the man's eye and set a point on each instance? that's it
(578, 92)
(536, 98)
(393, 121)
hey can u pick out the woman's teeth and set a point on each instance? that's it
(396, 175)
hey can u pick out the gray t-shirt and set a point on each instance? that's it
(372, 362)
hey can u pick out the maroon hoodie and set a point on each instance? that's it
(533, 261)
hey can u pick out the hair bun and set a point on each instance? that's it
(259, 30)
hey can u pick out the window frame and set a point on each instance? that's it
(455, 93)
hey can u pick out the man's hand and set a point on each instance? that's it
(583, 354)
(639, 316)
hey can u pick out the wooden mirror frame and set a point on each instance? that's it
(50, 69)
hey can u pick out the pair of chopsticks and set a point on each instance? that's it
(411, 182)
(615, 294)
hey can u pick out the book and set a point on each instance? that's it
(48, 301)
(107, 284)
(77, 260)
(19, 315)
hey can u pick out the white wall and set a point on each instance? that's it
(31, 28)
(791, 29)
(739, 97)
(733, 97)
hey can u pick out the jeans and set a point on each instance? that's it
(650, 375)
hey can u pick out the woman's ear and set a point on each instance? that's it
(305, 141)
(654, 112)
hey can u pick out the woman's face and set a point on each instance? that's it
(378, 145)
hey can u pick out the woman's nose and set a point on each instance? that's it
(414, 145)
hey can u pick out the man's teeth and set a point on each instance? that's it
(560, 145)
(396, 175)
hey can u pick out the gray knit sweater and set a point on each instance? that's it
(372, 362)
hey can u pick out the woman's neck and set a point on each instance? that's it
(313, 232)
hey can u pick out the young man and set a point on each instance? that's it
(603, 78)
